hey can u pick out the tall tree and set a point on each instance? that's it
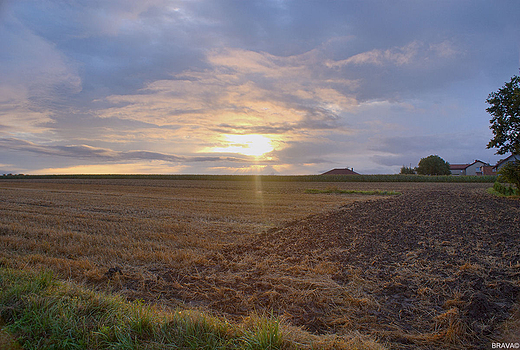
(433, 165)
(505, 124)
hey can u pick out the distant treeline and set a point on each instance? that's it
(279, 178)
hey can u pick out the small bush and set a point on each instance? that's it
(505, 190)
(510, 173)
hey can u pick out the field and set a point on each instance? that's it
(427, 265)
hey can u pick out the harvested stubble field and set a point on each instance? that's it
(435, 267)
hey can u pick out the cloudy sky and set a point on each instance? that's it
(238, 87)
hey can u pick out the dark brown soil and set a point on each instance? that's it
(435, 267)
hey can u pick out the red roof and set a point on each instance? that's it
(345, 171)
(458, 166)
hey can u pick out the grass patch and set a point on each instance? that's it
(502, 190)
(492, 191)
(42, 312)
(46, 314)
(339, 191)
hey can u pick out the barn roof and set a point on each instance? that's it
(458, 166)
(512, 157)
(345, 171)
(464, 166)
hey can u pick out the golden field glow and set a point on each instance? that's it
(250, 145)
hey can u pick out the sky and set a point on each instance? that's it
(249, 87)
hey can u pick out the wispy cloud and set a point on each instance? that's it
(104, 154)
(415, 53)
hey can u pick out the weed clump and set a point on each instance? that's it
(504, 190)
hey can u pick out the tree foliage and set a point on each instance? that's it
(407, 170)
(433, 165)
(505, 123)
(510, 172)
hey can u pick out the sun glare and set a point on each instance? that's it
(249, 145)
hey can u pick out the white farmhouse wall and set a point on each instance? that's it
(475, 168)
(457, 172)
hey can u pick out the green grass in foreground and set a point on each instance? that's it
(46, 314)
(338, 191)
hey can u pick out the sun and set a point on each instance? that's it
(250, 145)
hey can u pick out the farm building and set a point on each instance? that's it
(503, 162)
(478, 167)
(345, 171)
(458, 169)
(489, 170)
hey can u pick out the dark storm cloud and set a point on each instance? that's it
(408, 48)
(119, 45)
(282, 28)
(123, 44)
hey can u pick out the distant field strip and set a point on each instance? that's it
(272, 178)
